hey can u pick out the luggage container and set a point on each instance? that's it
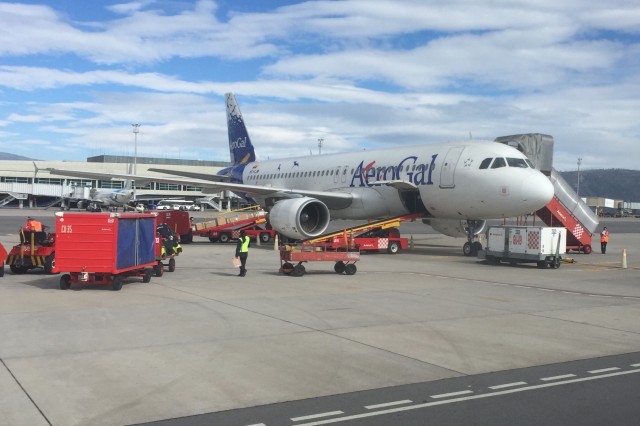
(104, 248)
(3, 257)
(544, 246)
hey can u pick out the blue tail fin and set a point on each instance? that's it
(240, 146)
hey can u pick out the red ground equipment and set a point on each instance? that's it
(104, 248)
(36, 250)
(345, 258)
(227, 226)
(3, 257)
(179, 222)
(556, 214)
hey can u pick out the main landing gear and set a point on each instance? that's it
(471, 248)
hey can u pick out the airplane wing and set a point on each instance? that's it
(333, 199)
(203, 176)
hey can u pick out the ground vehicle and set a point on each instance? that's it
(376, 239)
(3, 257)
(544, 246)
(227, 227)
(186, 205)
(167, 248)
(104, 248)
(179, 222)
(36, 250)
(345, 258)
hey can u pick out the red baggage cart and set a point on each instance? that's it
(104, 248)
(3, 257)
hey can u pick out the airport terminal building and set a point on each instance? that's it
(29, 184)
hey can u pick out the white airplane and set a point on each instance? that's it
(456, 185)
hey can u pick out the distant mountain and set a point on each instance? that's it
(7, 156)
(617, 184)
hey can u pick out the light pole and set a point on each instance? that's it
(578, 186)
(136, 130)
(320, 140)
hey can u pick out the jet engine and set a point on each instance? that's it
(456, 228)
(299, 218)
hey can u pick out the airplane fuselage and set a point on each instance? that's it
(447, 179)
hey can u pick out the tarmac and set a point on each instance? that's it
(202, 339)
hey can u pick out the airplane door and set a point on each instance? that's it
(336, 177)
(344, 174)
(448, 170)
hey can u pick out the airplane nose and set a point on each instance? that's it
(537, 191)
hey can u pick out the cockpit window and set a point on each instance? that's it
(517, 162)
(485, 163)
(498, 162)
(530, 163)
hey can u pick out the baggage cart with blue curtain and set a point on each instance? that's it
(104, 248)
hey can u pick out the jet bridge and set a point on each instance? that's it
(566, 208)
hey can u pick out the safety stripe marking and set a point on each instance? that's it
(508, 385)
(603, 370)
(388, 404)
(635, 365)
(467, 398)
(446, 395)
(316, 416)
(564, 376)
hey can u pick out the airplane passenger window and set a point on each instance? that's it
(517, 162)
(344, 172)
(485, 163)
(499, 162)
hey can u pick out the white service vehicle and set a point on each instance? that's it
(545, 246)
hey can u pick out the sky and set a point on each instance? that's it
(347, 75)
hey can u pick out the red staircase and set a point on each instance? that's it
(556, 214)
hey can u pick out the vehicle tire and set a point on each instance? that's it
(350, 269)
(159, 269)
(2, 269)
(298, 271)
(542, 264)
(146, 278)
(225, 237)
(339, 267)
(555, 264)
(286, 268)
(587, 249)
(265, 237)
(187, 238)
(172, 264)
(394, 247)
(467, 249)
(213, 239)
(116, 283)
(49, 263)
(65, 282)
(18, 269)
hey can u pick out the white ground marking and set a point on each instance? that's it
(603, 370)
(507, 385)
(388, 404)
(316, 416)
(564, 376)
(447, 395)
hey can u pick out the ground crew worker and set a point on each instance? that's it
(604, 239)
(33, 225)
(242, 251)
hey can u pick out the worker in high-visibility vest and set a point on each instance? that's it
(604, 239)
(33, 225)
(242, 251)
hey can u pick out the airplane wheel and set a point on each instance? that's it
(467, 249)
(339, 267)
(224, 238)
(65, 282)
(350, 269)
(172, 264)
(394, 247)
(587, 249)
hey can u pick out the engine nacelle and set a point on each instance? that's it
(300, 218)
(456, 228)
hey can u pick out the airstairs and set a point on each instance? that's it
(566, 208)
